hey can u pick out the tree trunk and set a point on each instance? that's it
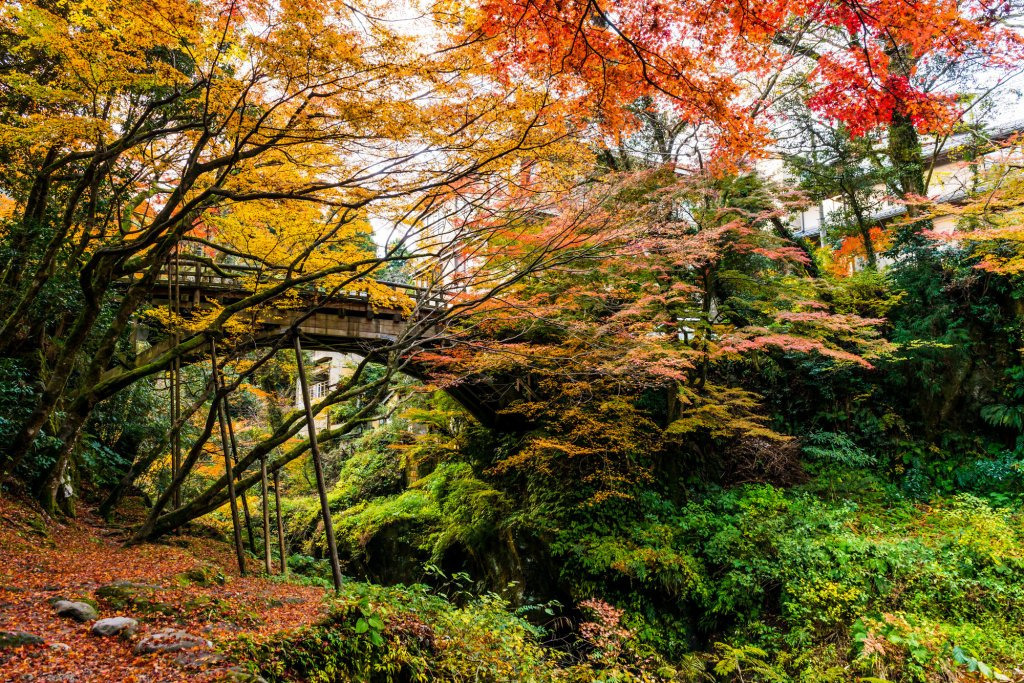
(234, 458)
(905, 154)
(140, 465)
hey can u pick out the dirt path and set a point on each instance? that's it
(40, 564)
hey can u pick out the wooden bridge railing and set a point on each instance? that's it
(195, 274)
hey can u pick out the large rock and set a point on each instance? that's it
(115, 626)
(79, 611)
(239, 675)
(18, 639)
(170, 640)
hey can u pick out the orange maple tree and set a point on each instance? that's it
(871, 63)
(669, 284)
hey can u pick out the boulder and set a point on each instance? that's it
(18, 639)
(79, 611)
(121, 593)
(170, 640)
(115, 626)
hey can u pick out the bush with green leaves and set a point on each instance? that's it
(405, 634)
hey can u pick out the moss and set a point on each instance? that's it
(203, 574)
(136, 597)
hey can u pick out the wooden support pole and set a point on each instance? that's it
(280, 525)
(234, 458)
(266, 516)
(321, 485)
(173, 380)
(175, 303)
(228, 470)
(176, 433)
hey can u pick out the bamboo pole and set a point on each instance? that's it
(321, 485)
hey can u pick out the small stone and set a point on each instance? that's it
(115, 626)
(18, 639)
(79, 611)
(60, 647)
(169, 640)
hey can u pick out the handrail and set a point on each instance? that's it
(192, 271)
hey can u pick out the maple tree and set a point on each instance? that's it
(558, 207)
(218, 132)
(872, 63)
(673, 280)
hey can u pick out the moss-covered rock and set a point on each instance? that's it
(11, 639)
(135, 597)
(204, 574)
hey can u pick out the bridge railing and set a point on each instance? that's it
(193, 273)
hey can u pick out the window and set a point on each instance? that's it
(321, 386)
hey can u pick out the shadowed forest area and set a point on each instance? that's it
(512, 340)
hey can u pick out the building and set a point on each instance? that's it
(324, 372)
(951, 180)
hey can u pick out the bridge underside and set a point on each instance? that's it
(353, 326)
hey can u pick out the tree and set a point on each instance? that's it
(873, 64)
(674, 282)
(135, 134)
(989, 222)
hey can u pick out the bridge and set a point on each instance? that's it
(343, 321)
(347, 322)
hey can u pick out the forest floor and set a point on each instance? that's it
(46, 560)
